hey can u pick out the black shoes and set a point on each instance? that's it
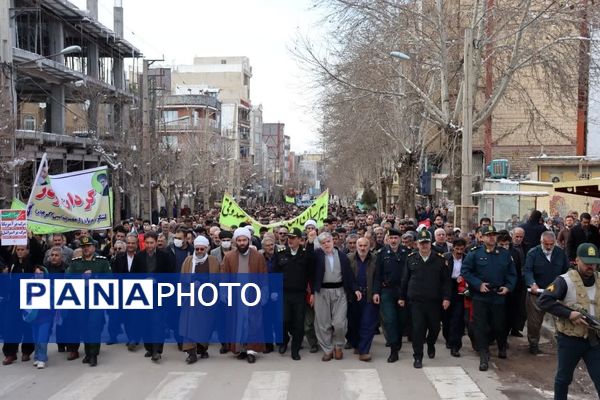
(268, 348)
(192, 357)
(223, 349)
(347, 346)
(418, 363)
(131, 346)
(535, 350)
(251, 358)
(502, 353)
(86, 360)
(295, 356)
(314, 349)
(93, 361)
(431, 351)
(393, 354)
(454, 353)
(516, 333)
(155, 357)
(242, 355)
(147, 354)
(483, 361)
(282, 348)
(61, 348)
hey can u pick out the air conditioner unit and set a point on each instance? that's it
(499, 169)
(554, 178)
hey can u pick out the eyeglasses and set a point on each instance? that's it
(200, 249)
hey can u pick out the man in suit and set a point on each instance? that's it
(544, 263)
(584, 232)
(453, 319)
(152, 261)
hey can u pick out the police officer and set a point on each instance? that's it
(296, 263)
(576, 289)
(391, 261)
(92, 321)
(491, 274)
(426, 284)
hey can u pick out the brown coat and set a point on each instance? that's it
(256, 265)
(213, 265)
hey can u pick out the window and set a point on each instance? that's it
(169, 116)
(29, 123)
(223, 61)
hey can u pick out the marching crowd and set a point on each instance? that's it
(356, 276)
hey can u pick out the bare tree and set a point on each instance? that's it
(520, 47)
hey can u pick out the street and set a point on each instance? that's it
(124, 375)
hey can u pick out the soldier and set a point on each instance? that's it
(92, 320)
(490, 272)
(296, 264)
(426, 284)
(577, 289)
(391, 261)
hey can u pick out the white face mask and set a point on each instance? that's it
(178, 242)
(226, 244)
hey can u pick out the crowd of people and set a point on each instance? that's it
(357, 275)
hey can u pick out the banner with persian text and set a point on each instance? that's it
(71, 201)
(233, 215)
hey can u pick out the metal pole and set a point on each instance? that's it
(467, 134)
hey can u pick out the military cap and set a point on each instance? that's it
(588, 253)
(424, 236)
(86, 241)
(394, 232)
(295, 232)
(488, 230)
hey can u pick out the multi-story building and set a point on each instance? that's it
(310, 171)
(273, 137)
(64, 91)
(231, 77)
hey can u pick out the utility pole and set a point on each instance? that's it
(467, 135)
(146, 195)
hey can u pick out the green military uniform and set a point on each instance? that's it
(93, 320)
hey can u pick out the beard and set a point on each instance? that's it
(243, 249)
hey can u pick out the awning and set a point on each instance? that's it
(486, 193)
(587, 187)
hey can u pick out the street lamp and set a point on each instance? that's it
(65, 51)
(400, 55)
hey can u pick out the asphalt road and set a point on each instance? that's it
(125, 375)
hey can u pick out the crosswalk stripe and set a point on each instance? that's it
(87, 386)
(363, 384)
(453, 383)
(177, 386)
(13, 382)
(267, 385)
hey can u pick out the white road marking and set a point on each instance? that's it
(177, 386)
(362, 384)
(87, 386)
(8, 383)
(267, 385)
(453, 383)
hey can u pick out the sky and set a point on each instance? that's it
(263, 30)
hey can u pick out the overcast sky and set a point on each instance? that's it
(263, 30)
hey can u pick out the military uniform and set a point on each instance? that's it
(575, 341)
(386, 283)
(425, 284)
(496, 268)
(93, 320)
(297, 271)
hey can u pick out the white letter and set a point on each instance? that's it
(35, 294)
(244, 301)
(161, 294)
(69, 294)
(201, 297)
(103, 294)
(229, 285)
(189, 294)
(138, 294)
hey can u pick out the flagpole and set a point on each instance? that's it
(43, 162)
